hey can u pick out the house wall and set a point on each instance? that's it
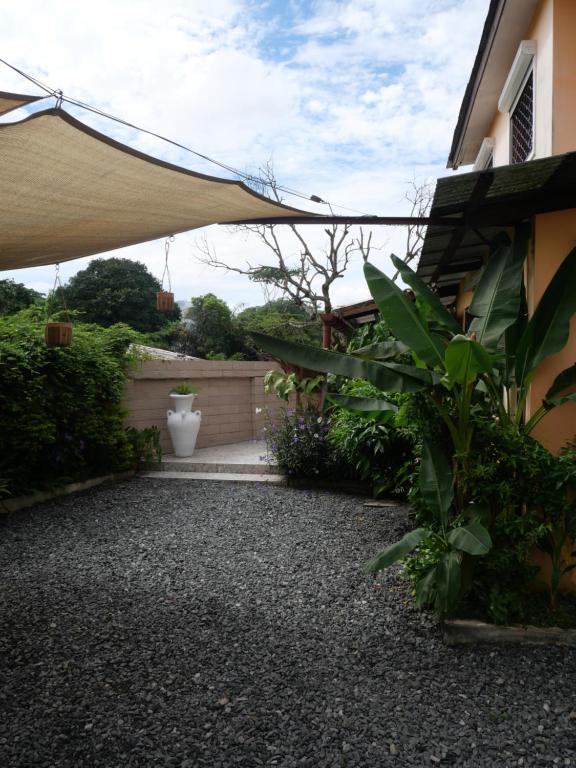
(564, 89)
(542, 30)
(229, 395)
(554, 238)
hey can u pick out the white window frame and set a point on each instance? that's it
(523, 66)
(485, 154)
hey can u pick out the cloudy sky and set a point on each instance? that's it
(350, 99)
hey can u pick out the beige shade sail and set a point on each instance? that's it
(10, 101)
(67, 191)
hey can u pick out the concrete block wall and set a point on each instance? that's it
(231, 398)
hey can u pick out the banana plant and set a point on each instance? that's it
(442, 584)
(498, 355)
(496, 358)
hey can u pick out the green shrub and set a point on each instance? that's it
(61, 407)
(145, 445)
(298, 443)
(372, 448)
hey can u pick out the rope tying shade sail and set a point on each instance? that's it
(67, 191)
(10, 101)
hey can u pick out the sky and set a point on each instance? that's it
(351, 100)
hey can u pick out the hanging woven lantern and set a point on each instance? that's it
(58, 333)
(165, 299)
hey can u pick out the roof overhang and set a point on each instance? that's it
(482, 203)
(505, 27)
(68, 191)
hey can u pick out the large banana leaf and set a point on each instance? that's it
(402, 317)
(382, 350)
(436, 483)
(496, 300)
(465, 359)
(472, 538)
(565, 379)
(512, 337)
(425, 589)
(548, 328)
(423, 292)
(368, 406)
(397, 551)
(389, 377)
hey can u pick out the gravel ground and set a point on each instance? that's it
(165, 623)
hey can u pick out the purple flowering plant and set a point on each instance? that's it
(297, 442)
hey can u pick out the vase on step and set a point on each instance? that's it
(183, 425)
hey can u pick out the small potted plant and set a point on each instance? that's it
(183, 425)
(183, 396)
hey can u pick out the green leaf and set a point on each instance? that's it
(402, 317)
(367, 405)
(472, 538)
(425, 589)
(448, 582)
(496, 301)
(565, 379)
(549, 404)
(382, 350)
(436, 483)
(548, 328)
(436, 309)
(397, 551)
(389, 377)
(465, 359)
(512, 336)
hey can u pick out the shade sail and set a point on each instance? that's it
(10, 101)
(67, 191)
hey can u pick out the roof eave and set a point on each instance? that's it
(488, 33)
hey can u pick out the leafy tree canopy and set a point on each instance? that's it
(210, 326)
(282, 318)
(117, 290)
(15, 296)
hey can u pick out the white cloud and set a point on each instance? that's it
(351, 98)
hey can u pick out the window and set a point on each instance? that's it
(522, 123)
(517, 100)
(485, 157)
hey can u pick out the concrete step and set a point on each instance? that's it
(173, 464)
(241, 477)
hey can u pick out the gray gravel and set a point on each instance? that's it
(165, 623)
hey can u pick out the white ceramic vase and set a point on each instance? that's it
(183, 425)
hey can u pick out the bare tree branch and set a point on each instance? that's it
(419, 195)
(300, 272)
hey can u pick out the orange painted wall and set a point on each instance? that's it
(554, 238)
(542, 30)
(564, 88)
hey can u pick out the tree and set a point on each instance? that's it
(419, 195)
(297, 271)
(281, 318)
(15, 296)
(117, 290)
(210, 327)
